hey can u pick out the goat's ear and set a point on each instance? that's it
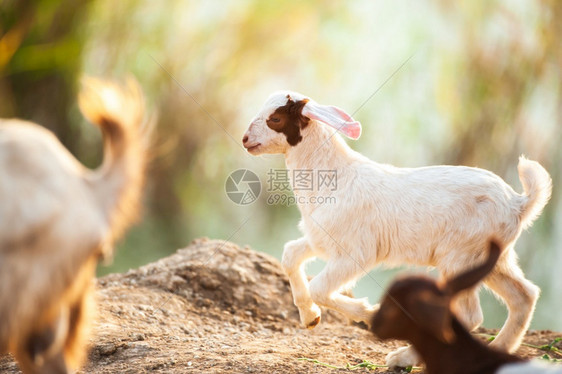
(433, 315)
(471, 277)
(296, 109)
(334, 117)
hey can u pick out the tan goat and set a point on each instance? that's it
(57, 219)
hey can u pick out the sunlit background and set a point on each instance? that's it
(433, 82)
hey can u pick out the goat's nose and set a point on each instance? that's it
(245, 139)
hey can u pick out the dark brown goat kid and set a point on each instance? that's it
(418, 309)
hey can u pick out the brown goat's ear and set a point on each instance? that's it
(471, 277)
(432, 314)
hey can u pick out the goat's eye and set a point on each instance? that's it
(275, 123)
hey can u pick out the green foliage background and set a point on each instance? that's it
(482, 84)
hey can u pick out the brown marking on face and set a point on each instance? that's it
(288, 119)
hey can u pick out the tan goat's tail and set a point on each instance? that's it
(537, 187)
(119, 112)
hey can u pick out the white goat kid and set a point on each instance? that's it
(441, 216)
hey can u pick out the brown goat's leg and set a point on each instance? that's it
(520, 296)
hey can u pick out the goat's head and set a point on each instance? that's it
(411, 304)
(280, 123)
(418, 303)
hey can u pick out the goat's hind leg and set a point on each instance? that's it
(295, 254)
(466, 305)
(468, 310)
(520, 296)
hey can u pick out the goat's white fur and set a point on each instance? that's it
(441, 216)
(531, 367)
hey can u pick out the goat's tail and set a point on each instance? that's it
(119, 112)
(537, 187)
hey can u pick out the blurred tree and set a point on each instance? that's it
(40, 60)
(489, 84)
(502, 94)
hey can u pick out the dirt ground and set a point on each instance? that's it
(216, 308)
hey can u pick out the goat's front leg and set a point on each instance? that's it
(295, 254)
(325, 289)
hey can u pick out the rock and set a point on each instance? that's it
(106, 349)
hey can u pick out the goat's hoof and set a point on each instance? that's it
(310, 316)
(403, 357)
(313, 324)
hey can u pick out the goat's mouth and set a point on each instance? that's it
(253, 147)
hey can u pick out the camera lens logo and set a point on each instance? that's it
(242, 187)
